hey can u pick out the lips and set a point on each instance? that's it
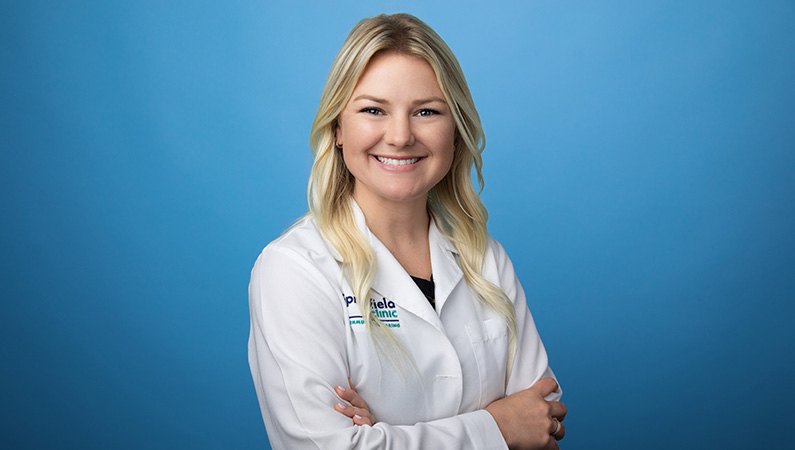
(396, 162)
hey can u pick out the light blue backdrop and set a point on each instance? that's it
(639, 170)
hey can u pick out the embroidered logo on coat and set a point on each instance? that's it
(383, 309)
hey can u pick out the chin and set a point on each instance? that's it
(405, 196)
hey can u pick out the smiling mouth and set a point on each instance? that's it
(396, 162)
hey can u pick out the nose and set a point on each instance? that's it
(398, 132)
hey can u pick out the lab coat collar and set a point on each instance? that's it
(394, 283)
(444, 263)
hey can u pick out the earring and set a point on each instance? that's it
(339, 145)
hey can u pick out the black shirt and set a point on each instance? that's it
(427, 287)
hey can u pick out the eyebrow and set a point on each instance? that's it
(386, 102)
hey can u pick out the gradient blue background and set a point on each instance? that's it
(639, 170)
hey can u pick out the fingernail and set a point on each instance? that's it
(341, 388)
(357, 416)
(342, 406)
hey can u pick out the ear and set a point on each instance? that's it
(337, 132)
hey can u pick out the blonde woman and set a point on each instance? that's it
(387, 318)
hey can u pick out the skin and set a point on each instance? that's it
(397, 110)
(353, 406)
(526, 419)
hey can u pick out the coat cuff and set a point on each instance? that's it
(483, 430)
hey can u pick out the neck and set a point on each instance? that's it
(396, 222)
(403, 229)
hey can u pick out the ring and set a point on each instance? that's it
(557, 428)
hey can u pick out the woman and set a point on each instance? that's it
(387, 317)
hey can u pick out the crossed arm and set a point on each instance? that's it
(526, 420)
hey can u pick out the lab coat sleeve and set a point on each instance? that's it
(531, 363)
(297, 354)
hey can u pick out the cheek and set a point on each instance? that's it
(446, 142)
(349, 158)
(360, 135)
(449, 144)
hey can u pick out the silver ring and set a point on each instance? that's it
(557, 428)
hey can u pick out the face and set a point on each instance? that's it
(397, 131)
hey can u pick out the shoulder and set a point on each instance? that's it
(498, 267)
(302, 242)
(495, 247)
(496, 254)
(297, 259)
(302, 238)
(294, 280)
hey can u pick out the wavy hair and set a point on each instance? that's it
(453, 202)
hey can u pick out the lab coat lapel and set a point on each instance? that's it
(393, 282)
(446, 271)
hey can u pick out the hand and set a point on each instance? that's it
(527, 420)
(357, 408)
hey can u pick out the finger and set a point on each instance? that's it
(561, 434)
(351, 396)
(343, 393)
(345, 410)
(363, 420)
(358, 415)
(558, 410)
(545, 386)
(551, 444)
(553, 427)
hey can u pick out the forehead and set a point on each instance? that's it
(398, 74)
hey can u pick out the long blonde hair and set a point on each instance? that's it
(453, 203)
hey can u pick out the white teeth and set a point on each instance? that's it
(396, 162)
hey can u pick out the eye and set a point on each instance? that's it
(372, 110)
(427, 112)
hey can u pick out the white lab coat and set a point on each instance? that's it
(307, 337)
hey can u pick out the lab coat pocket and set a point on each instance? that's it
(490, 344)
